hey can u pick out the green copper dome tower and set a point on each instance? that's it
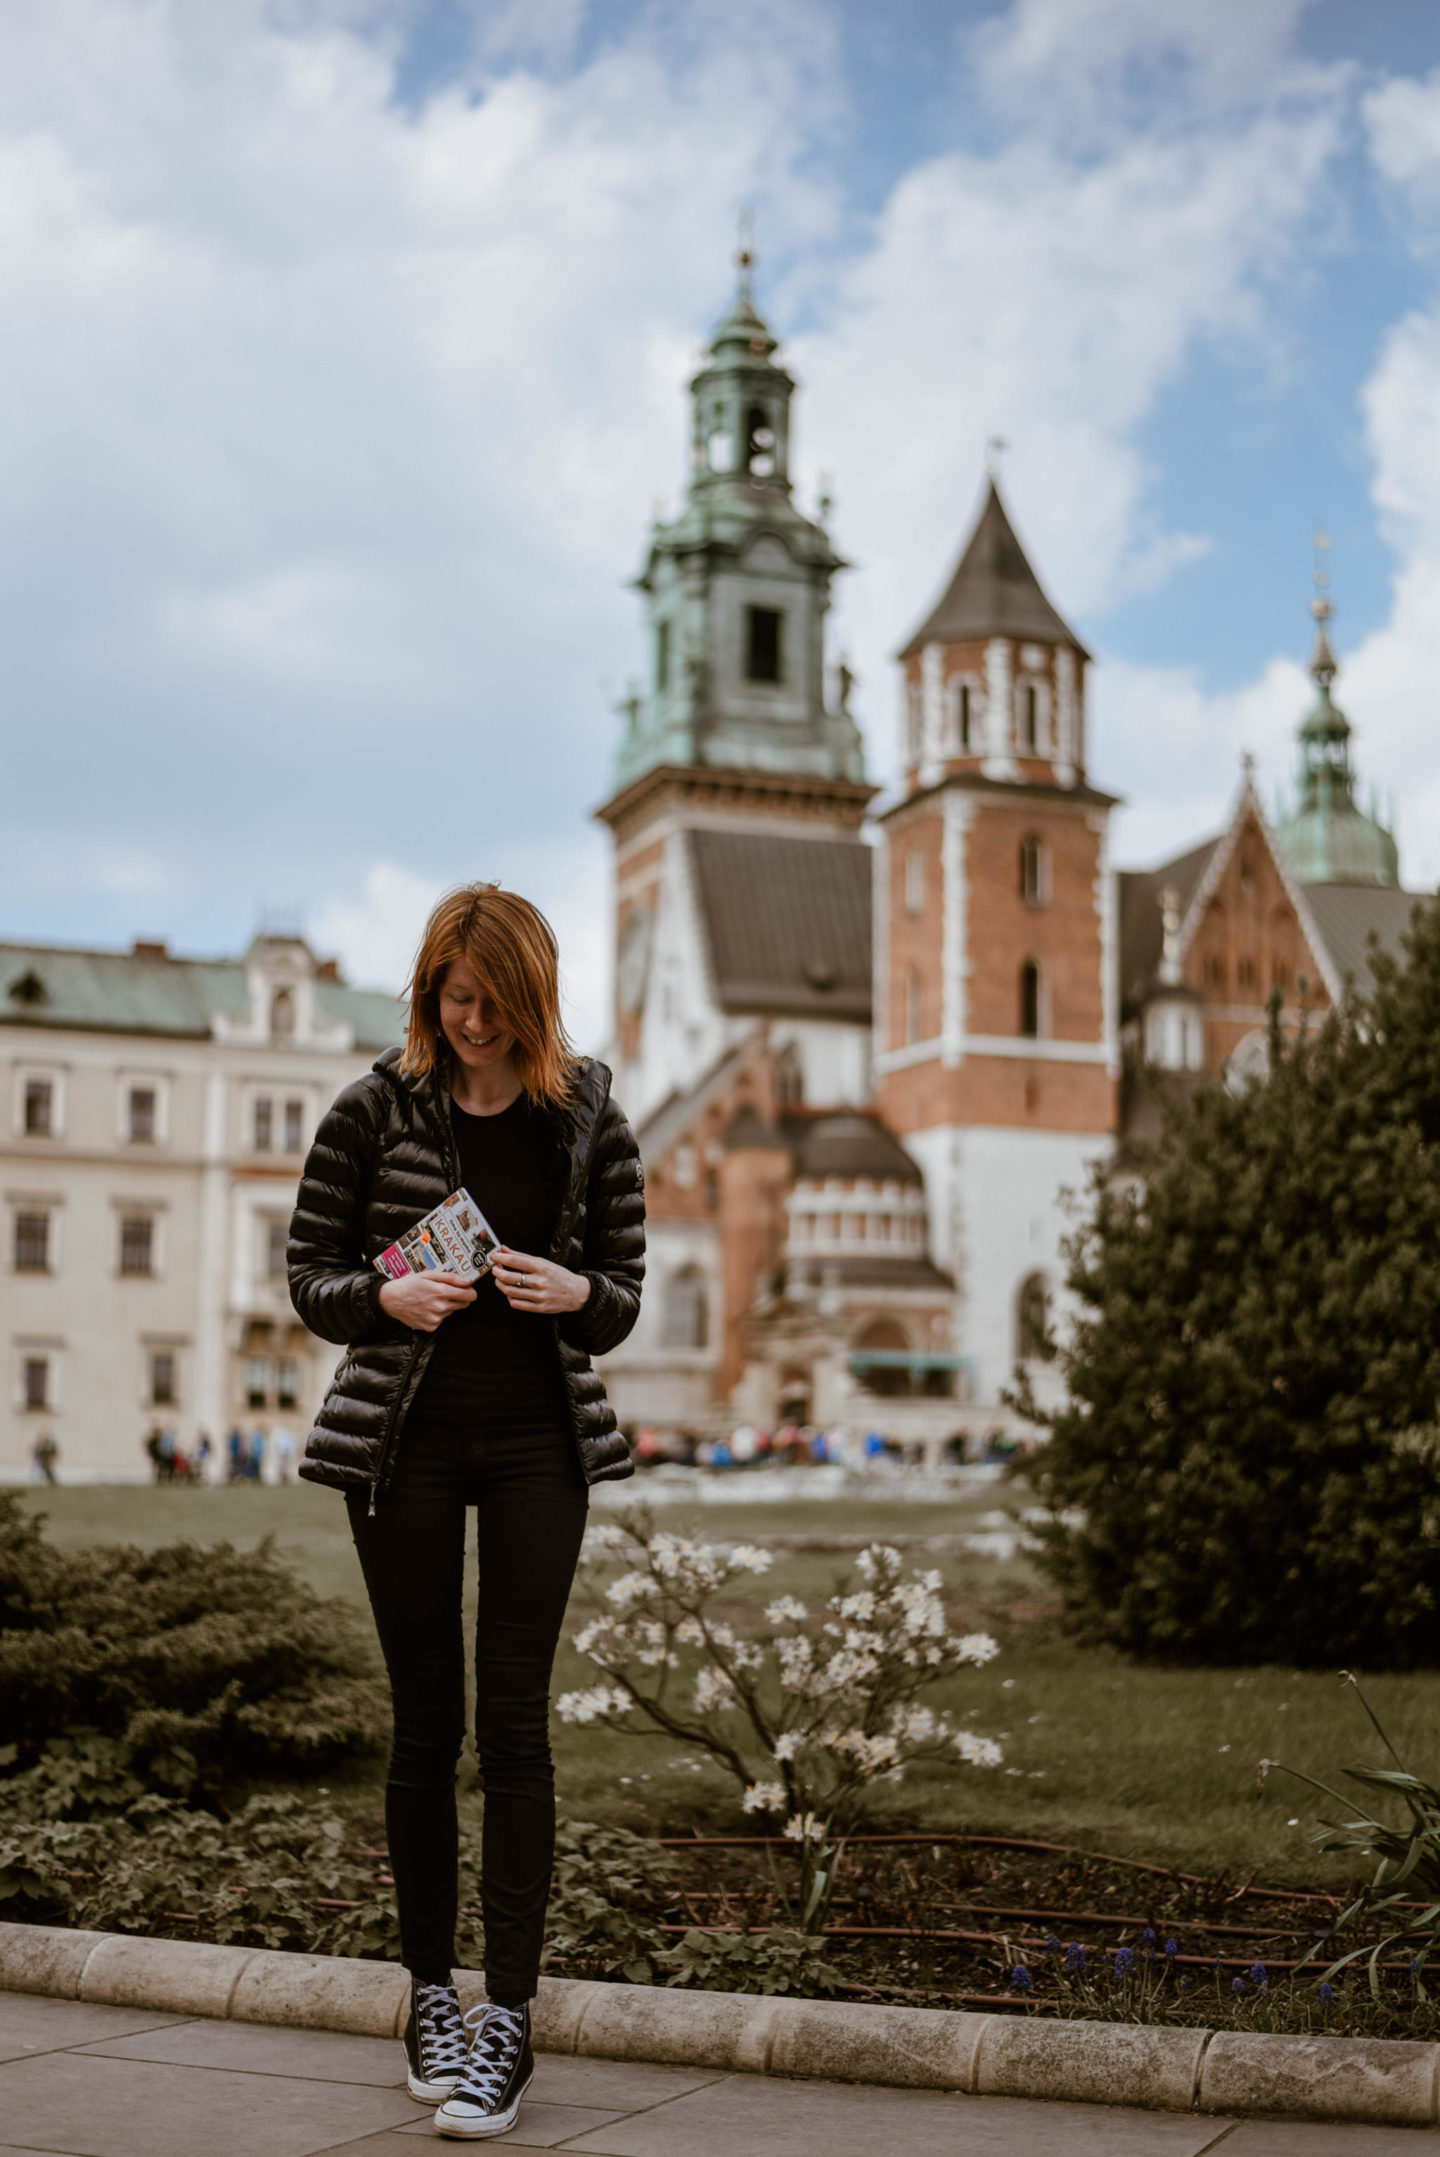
(737, 588)
(1328, 839)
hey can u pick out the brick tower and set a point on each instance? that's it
(996, 1054)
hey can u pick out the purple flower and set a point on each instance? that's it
(1124, 1960)
(1238, 1986)
(1171, 1950)
(1259, 1976)
(1020, 1979)
(1052, 1945)
(1327, 1993)
(1075, 1959)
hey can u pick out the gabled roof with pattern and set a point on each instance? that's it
(787, 922)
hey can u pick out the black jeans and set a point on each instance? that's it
(522, 1473)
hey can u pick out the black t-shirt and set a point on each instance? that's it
(489, 1353)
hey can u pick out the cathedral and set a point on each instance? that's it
(871, 1046)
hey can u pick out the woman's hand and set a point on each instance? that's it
(537, 1284)
(425, 1300)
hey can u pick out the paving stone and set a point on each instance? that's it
(251, 2048)
(542, 2127)
(31, 2023)
(1387, 2081)
(828, 2119)
(1304, 2138)
(93, 2107)
(614, 2085)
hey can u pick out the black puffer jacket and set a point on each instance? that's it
(382, 1157)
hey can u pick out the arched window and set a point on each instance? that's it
(914, 1006)
(282, 1014)
(1032, 1321)
(1030, 1000)
(887, 1341)
(759, 443)
(1033, 866)
(685, 1310)
(1030, 718)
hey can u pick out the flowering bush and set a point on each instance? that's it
(806, 1715)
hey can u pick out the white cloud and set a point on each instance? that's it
(332, 424)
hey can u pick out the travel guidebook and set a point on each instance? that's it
(455, 1238)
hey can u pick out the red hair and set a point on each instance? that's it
(511, 947)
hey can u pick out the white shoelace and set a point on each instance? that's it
(440, 2032)
(497, 2042)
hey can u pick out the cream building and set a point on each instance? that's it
(156, 1115)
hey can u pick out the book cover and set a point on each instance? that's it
(455, 1238)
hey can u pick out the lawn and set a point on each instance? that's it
(1149, 1762)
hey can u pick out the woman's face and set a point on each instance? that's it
(470, 1019)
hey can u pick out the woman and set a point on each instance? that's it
(452, 1395)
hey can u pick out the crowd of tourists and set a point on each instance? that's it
(256, 1456)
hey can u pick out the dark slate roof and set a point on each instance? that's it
(1142, 932)
(850, 1144)
(1347, 915)
(993, 593)
(787, 922)
(920, 1273)
(127, 992)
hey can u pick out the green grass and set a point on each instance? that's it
(1143, 1761)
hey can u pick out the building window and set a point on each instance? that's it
(1030, 1000)
(32, 1242)
(889, 1344)
(1245, 973)
(287, 1382)
(789, 1077)
(1032, 871)
(915, 881)
(263, 1122)
(137, 1243)
(276, 1236)
(914, 1006)
(764, 657)
(164, 1391)
(686, 1310)
(294, 1125)
(35, 1381)
(759, 444)
(964, 715)
(257, 1382)
(662, 655)
(1214, 970)
(141, 1117)
(1030, 718)
(282, 1014)
(39, 1108)
(1032, 1321)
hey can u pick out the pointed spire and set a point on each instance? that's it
(994, 592)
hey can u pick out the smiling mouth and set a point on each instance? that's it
(482, 1041)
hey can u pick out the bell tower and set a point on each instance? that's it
(739, 745)
(996, 1051)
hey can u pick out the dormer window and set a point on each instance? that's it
(764, 653)
(39, 1108)
(282, 1014)
(27, 988)
(662, 656)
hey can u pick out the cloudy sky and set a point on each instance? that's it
(343, 347)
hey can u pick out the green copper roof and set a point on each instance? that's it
(1328, 838)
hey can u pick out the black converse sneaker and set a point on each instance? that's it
(500, 2071)
(435, 2042)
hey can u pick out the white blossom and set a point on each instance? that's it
(712, 1689)
(786, 1610)
(805, 1827)
(748, 1558)
(879, 1558)
(748, 1655)
(916, 1725)
(630, 1588)
(976, 1648)
(854, 1606)
(596, 1704)
(796, 1656)
(979, 1752)
(763, 1797)
(690, 1633)
(602, 1539)
(873, 1754)
(787, 1745)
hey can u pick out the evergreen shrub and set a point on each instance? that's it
(1247, 1468)
(182, 1668)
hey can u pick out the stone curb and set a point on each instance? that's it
(1375, 2080)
